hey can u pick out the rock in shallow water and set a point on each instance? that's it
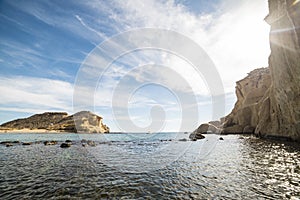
(196, 136)
(183, 140)
(65, 145)
(50, 142)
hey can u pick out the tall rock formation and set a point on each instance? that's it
(250, 92)
(280, 110)
(268, 99)
(83, 121)
(276, 111)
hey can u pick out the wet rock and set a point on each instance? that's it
(8, 144)
(65, 145)
(221, 138)
(13, 142)
(163, 140)
(50, 142)
(91, 143)
(26, 143)
(68, 141)
(196, 136)
(183, 140)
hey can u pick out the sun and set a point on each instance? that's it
(295, 2)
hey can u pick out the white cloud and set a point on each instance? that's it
(236, 39)
(30, 94)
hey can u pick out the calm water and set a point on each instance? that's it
(149, 166)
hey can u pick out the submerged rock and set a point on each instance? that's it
(91, 143)
(65, 145)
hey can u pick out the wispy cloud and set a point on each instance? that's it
(30, 93)
(234, 36)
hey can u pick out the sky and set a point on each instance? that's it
(51, 56)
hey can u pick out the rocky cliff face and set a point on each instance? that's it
(280, 110)
(269, 98)
(250, 92)
(83, 121)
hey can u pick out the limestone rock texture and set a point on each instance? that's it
(280, 109)
(83, 121)
(268, 99)
(271, 108)
(250, 92)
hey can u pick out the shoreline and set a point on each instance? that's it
(31, 131)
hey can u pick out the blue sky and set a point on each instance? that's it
(44, 44)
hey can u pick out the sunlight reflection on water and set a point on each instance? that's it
(234, 168)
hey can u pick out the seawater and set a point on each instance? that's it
(149, 166)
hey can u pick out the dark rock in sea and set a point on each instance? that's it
(91, 143)
(183, 140)
(68, 141)
(221, 138)
(8, 144)
(13, 142)
(165, 140)
(65, 145)
(26, 143)
(196, 136)
(50, 142)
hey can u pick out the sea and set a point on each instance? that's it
(148, 166)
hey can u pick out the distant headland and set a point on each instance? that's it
(80, 122)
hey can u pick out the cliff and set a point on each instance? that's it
(280, 110)
(83, 121)
(250, 92)
(268, 99)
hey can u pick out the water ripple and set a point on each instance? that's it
(235, 168)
